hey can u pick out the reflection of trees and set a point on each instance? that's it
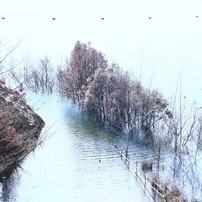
(184, 130)
(8, 186)
(184, 171)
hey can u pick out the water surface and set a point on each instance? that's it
(75, 164)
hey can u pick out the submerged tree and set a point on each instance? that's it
(109, 95)
(153, 105)
(84, 61)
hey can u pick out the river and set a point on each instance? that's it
(75, 162)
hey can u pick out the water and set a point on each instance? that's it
(76, 163)
(160, 49)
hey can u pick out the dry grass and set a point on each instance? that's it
(9, 139)
(170, 191)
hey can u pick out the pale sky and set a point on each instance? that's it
(172, 39)
(79, 8)
(125, 21)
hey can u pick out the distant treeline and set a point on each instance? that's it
(108, 95)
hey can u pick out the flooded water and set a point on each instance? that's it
(159, 42)
(76, 163)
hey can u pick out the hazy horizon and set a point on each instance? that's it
(161, 48)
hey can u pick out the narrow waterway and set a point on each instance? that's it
(75, 163)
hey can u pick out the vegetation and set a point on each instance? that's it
(109, 96)
(37, 79)
(115, 100)
(20, 127)
(41, 77)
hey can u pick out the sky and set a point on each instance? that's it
(161, 48)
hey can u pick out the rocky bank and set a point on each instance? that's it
(20, 128)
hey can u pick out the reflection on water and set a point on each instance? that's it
(8, 193)
(75, 164)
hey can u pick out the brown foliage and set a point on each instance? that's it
(9, 140)
(83, 63)
(108, 94)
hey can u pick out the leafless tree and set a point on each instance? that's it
(41, 78)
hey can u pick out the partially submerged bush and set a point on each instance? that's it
(109, 95)
(174, 194)
(147, 166)
(170, 191)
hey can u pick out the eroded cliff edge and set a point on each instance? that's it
(20, 128)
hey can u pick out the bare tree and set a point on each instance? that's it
(153, 104)
(5, 53)
(46, 75)
(62, 75)
(41, 77)
(160, 141)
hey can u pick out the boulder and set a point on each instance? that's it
(20, 128)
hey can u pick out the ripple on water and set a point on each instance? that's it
(75, 164)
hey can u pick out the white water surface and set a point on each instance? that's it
(75, 164)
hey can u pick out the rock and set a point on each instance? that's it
(20, 128)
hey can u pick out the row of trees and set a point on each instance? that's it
(111, 97)
(108, 95)
(114, 99)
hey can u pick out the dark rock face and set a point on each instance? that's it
(20, 128)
